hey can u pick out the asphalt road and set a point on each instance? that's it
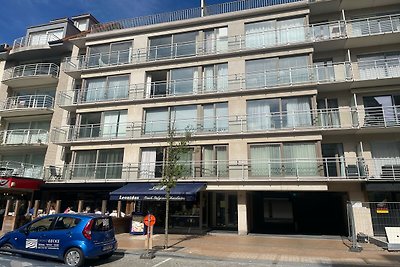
(133, 260)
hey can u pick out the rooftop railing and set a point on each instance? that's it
(24, 137)
(20, 169)
(187, 14)
(34, 41)
(31, 70)
(28, 102)
(299, 169)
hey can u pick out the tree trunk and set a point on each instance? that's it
(167, 195)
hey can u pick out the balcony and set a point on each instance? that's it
(310, 120)
(20, 169)
(31, 75)
(24, 138)
(34, 43)
(285, 170)
(384, 29)
(271, 79)
(27, 105)
(380, 117)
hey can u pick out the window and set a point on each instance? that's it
(106, 88)
(324, 70)
(386, 159)
(42, 225)
(99, 164)
(384, 65)
(24, 165)
(64, 223)
(44, 37)
(172, 46)
(199, 161)
(107, 124)
(382, 110)
(216, 40)
(208, 117)
(82, 25)
(274, 32)
(110, 54)
(185, 81)
(153, 162)
(268, 72)
(215, 161)
(268, 114)
(287, 159)
(27, 132)
(328, 112)
(102, 224)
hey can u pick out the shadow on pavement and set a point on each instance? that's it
(118, 255)
(174, 247)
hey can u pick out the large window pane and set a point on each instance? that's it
(265, 160)
(291, 31)
(183, 81)
(85, 162)
(184, 44)
(109, 165)
(215, 117)
(160, 47)
(260, 34)
(118, 87)
(184, 118)
(157, 120)
(300, 159)
(263, 114)
(121, 53)
(297, 112)
(96, 90)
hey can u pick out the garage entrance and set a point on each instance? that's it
(309, 213)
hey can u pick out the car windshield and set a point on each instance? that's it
(102, 224)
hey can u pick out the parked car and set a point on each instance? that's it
(69, 237)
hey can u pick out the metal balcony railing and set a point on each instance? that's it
(374, 25)
(338, 72)
(24, 137)
(258, 40)
(187, 14)
(28, 102)
(31, 70)
(35, 41)
(383, 116)
(274, 121)
(299, 169)
(377, 69)
(20, 169)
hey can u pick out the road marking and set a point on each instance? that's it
(164, 261)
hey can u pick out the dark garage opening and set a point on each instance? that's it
(308, 213)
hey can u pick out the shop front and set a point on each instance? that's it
(16, 196)
(185, 209)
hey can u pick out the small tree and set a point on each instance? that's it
(173, 169)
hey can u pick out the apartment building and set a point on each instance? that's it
(292, 106)
(30, 76)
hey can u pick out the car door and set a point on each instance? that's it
(63, 234)
(37, 235)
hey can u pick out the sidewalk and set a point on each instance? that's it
(267, 248)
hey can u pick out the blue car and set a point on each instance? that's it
(69, 237)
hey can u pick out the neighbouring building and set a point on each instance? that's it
(293, 107)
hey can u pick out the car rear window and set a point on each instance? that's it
(102, 224)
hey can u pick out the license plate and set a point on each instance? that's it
(109, 247)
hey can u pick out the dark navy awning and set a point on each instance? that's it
(153, 191)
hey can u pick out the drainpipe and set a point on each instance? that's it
(203, 7)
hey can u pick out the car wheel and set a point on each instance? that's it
(7, 246)
(74, 257)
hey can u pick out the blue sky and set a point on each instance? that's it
(17, 15)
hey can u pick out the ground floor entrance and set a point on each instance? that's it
(308, 213)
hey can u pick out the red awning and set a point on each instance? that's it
(20, 183)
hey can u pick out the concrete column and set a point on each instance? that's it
(35, 208)
(7, 207)
(58, 206)
(242, 213)
(103, 206)
(119, 208)
(80, 205)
